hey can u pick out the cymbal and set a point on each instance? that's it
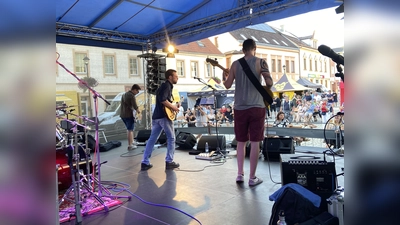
(65, 107)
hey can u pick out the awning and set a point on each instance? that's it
(62, 98)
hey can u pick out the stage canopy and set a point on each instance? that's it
(206, 90)
(306, 83)
(287, 84)
(131, 24)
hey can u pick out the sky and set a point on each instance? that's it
(328, 25)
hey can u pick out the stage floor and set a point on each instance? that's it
(200, 188)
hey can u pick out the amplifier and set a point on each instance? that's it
(311, 172)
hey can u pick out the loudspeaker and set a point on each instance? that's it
(212, 142)
(311, 172)
(144, 135)
(185, 140)
(276, 146)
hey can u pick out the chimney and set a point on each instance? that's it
(282, 28)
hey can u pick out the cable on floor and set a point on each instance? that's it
(114, 186)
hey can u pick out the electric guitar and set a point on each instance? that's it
(215, 63)
(170, 114)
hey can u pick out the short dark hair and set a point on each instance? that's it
(249, 45)
(169, 73)
(135, 87)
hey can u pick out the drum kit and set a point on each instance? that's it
(74, 166)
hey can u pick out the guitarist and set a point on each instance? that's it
(249, 108)
(161, 122)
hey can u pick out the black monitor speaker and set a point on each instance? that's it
(185, 140)
(273, 147)
(144, 135)
(212, 143)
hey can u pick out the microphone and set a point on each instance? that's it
(326, 51)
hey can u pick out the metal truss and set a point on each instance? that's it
(71, 30)
(246, 10)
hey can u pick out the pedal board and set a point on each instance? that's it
(208, 156)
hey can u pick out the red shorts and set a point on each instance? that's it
(249, 124)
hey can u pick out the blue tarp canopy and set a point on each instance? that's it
(131, 24)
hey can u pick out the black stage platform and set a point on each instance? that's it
(210, 195)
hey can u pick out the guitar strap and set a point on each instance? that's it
(254, 80)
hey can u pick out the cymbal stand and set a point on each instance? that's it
(77, 183)
(95, 95)
(87, 149)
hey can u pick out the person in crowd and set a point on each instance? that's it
(307, 96)
(324, 111)
(180, 115)
(128, 112)
(201, 116)
(309, 114)
(301, 110)
(335, 98)
(249, 107)
(274, 106)
(281, 121)
(161, 122)
(286, 108)
(229, 115)
(191, 120)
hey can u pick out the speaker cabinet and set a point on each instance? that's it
(144, 135)
(276, 146)
(212, 143)
(185, 140)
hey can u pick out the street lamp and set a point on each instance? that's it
(86, 61)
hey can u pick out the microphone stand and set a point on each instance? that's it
(218, 150)
(339, 73)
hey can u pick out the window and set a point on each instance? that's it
(200, 43)
(109, 64)
(265, 40)
(292, 67)
(273, 66)
(310, 64)
(133, 67)
(305, 64)
(320, 66)
(80, 66)
(325, 70)
(209, 70)
(284, 43)
(276, 42)
(194, 71)
(279, 65)
(180, 68)
(316, 65)
(255, 39)
(244, 37)
(287, 66)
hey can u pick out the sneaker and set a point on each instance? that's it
(131, 147)
(255, 181)
(240, 178)
(171, 165)
(145, 166)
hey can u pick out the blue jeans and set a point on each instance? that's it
(157, 126)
